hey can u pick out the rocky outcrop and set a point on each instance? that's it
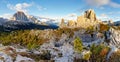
(20, 16)
(113, 35)
(62, 24)
(71, 23)
(10, 54)
(90, 14)
(86, 20)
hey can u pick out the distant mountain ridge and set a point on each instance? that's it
(21, 21)
(117, 23)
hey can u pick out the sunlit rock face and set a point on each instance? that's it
(86, 20)
(90, 14)
(20, 16)
(113, 35)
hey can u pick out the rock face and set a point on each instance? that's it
(86, 20)
(20, 16)
(114, 37)
(90, 14)
(62, 24)
(71, 23)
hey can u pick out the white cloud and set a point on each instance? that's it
(19, 7)
(116, 18)
(6, 16)
(103, 17)
(71, 16)
(24, 7)
(115, 5)
(99, 3)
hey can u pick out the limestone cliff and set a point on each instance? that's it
(20, 16)
(86, 20)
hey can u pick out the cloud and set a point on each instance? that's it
(25, 6)
(99, 3)
(103, 17)
(115, 5)
(6, 16)
(117, 18)
(19, 7)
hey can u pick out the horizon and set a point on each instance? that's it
(57, 9)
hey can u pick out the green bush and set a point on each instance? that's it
(78, 46)
(99, 52)
(87, 56)
(22, 37)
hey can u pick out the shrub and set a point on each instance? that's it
(99, 52)
(115, 57)
(22, 37)
(104, 27)
(87, 56)
(78, 46)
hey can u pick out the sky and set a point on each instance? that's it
(57, 9)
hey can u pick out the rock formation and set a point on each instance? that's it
(20, 16)
(113, 35)
(62, 24)
(71, 23)
(86, 20)
(90, 14)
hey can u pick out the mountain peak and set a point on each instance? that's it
(20, 16)
(90, 14)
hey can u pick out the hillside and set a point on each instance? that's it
(85, 40)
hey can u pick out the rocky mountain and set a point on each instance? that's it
(20, 16)
(87, 19)
(90, 14)
(22, 21)
(18, 25)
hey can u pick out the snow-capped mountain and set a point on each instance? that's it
(21, 16)
(22, 21)
(47, 21)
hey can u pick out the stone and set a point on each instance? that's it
(113, 35)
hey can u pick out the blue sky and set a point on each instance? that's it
(105, 9)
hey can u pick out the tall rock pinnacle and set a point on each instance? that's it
(90, 14)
